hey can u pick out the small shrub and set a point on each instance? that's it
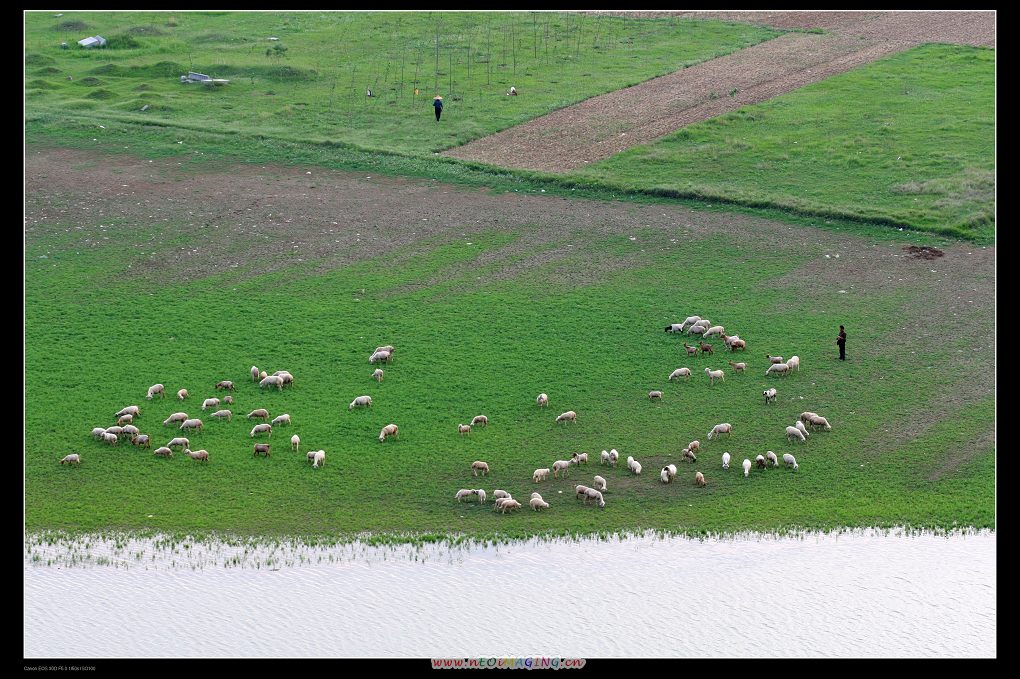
(122, 41)
(733, 91)
(713, 95)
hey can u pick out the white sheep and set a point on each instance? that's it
(569, 415)
(259, 413)
(664, 475)
(614, 457)
(690, 320)
(794, 433)
(819, 421)
(479, 466)
(202, 455)
(223, 413)
(319, 460)
(699, 479)
(73, 458)
(210, 403)
(675, 327)
(714, 330)
(134, 411)
(579, 458)
(542, 400)
(378, 375)
(694, 446)
(464, 428)
(509, 505)
(794, 363)
(772, 458)
(129, 430)
(387, 431)
(636, 468)
(560, 466)
(261, 429)
(538, 503)
(778, 369)
(760, 461)
(592, 494)
(770, 395)
(480, 420)
(725, 460)
(225, 384)
(98, 432)
(600, 483)
(774, 359)
(630, 462)
(272, 381)
(536, 494)
(714, 375)
(680, 372)
(254, 374)
(194, 423)
(738, 367)
(380, 356)
(360, 402)
(703, 323)
(747, 467)
(496, 494)
(481, 496)
(805, 417)
(604, 458)
(671, 468)
(790, 460)
(115, 430)
(295, 442)
(281, 419)
(654, 394)
(155, 389)
(142, 440)
(310, 455)
(689, 455)
(696, 330)
(463, 493)
(800, 427)
(179, 441)
(182, 394)
(285, 376)
(724, 428)
(388, 347)
(580, 491)
(263, 374)
(540, 475)
(163, 452)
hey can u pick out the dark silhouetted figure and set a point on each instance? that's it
(841, 343)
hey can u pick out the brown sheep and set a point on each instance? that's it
(261, 448)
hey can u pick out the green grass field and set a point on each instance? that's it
(315, 89)
(909, 139)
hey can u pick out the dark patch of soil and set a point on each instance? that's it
(923, 251)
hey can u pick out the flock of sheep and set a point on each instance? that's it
(694, 325)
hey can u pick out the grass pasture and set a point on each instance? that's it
(489, 299)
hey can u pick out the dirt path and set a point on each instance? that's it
(613, 122)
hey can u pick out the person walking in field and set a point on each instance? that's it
(841, 343)
(438, 103)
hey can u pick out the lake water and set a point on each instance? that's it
(859, 594)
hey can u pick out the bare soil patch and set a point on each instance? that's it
(923, 251)
(608, 124)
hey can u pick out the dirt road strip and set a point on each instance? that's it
(613, 122)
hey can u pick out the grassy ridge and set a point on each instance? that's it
(909, 139)
(467, 347)
(313, 81)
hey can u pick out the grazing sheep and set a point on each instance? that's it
(210, 403)
(179, 441)
(225, 384)
(805, 417)
(163, 452)
(725, 460)
(142, 440)
(724, 428)
(727, 339)
(481, 496)
(480, 420)
(690, 320)
(272, 381)
(604, 458)
(790, 460)
(747, 467)
(542, 400)
(738, 367)
(738, 344)
(202, 455)
(540, 475)
(509, 505)
(803, 430)
(771, 457)
(182, 394)
(705, 348)
(281, 419)
(794, 433)
(774, 359)
(696, 330)
(794, 363)
(579, 458)
(462, 493)
(129, 430)
(98, 432)
(228, 399)
(295, 442)
(630, 462)
(714, 330)
(654, 394)
(580, 492)
(664, 475)
(73, 458)
(319, 460)
(254, 374)
(569, 415)
(704, 323)
(592, 494)
(536, 494)
(310, 455)
(378, 375)
(560, 466)
(770, 395)
(261, 413)
(538, 503)
(116, 431)
(127, 418)
(479, 466)
(675, 327)
(614, 457)
(155, 389)
(387, 431)
(388, 347)
(760, 461)
(129, 410)
(689, 455)
(498, 503)
(261, 429)
(671, 469)
(694, 446)
(691, 351)
(380, 356)
(600, 483)
(819, 421)
(699, 479)
(714, 375)
(778, 368)
(496, 494)
(192, 424)
(263, 374)
(285, 376)
(636, 468)
(261, 449)
(224, 413)
(680, 372)
(464, 428)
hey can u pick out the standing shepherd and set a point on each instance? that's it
(841, 343)
(438, 103)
